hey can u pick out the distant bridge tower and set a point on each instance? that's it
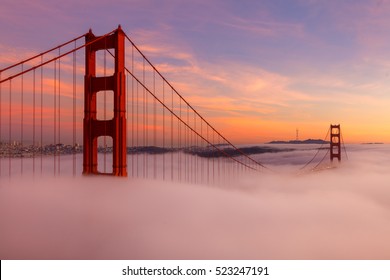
(335, 143)
(116, 127)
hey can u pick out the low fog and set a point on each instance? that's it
(339, 213)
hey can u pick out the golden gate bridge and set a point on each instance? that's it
(101, 97)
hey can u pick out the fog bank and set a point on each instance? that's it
(342, 213)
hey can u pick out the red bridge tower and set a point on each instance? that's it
(335, 143)
(116, 127)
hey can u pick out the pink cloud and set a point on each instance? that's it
(267, 27)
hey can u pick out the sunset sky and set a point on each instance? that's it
(258, 70)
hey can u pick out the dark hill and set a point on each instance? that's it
(307, 141)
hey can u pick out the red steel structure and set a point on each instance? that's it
(335, 143)
(116, 127)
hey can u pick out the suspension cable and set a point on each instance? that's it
(179, 116)
(318, 150)
(181, 97)
(56, 58)
(43, 53)
(318, 164)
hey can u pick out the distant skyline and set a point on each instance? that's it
(257, 70)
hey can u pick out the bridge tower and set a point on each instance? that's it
(116, 127)
(335, 143)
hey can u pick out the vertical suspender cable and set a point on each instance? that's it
(144, 120)
(342, 140)
(190, 155)
(127, 117)
(21, 123)
(9, 129)
(172, 138)
(1, 139)
(59, 111)
(195, 143)
(146, 127)
(233, 167)
(187, 146)
(190, 145)
(196, 138)
(132, 111)
(208, 158)
(163, 131)
(55, 116)
(201, 147)
(179, 136)
(154, 127)
(214, 159)
(219, 161)
(74, 111)
(194, 155)
(137, 121)
(105, 109)
(33, 142)
(41, 131)
(225, 174)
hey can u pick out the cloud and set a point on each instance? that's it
(335, 214)
(225, 79)
(265, 28)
